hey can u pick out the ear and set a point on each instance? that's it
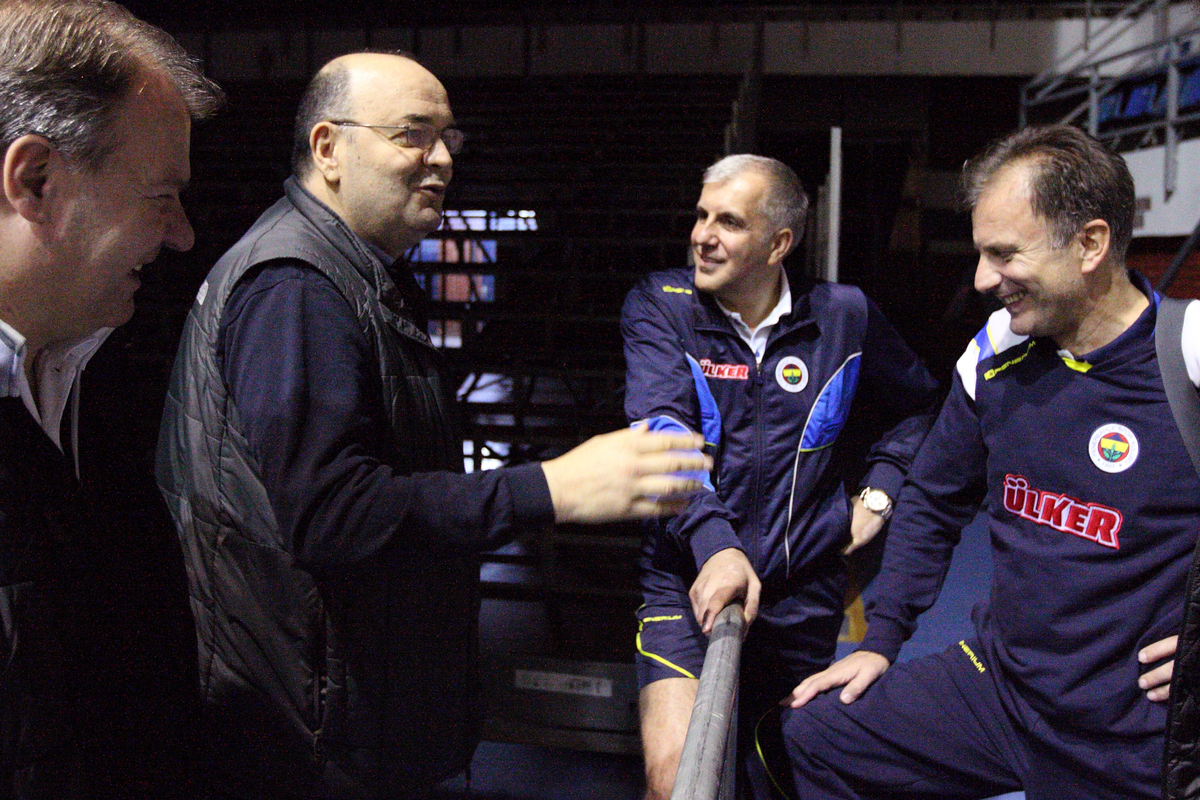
(323, 142)
(30, 166)
(1094, 241)
(781, 245)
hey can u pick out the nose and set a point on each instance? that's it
(439, 155)
(178, 233)
(987, 277)
(702, 233)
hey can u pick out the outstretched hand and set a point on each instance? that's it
(856, 672)
(627, 474)
(725, 577)
(1157, 682)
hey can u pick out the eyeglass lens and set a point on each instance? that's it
(425, 136)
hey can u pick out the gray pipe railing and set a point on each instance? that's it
(706, 767)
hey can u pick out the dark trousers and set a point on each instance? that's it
(946, 726)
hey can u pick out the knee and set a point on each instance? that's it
(802, 733)
(665, 710)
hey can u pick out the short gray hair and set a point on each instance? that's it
(66, 65)
(327, 96)
(784, 202)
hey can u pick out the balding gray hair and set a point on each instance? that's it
(784, 201)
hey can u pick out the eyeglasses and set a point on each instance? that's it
(413, 134)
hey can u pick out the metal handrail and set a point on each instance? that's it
(1054, 75)
(1165, 56)
(1189, 245)
(1148, 59)
(1111, 81)
(705, 768)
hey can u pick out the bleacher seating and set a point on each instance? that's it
(610, 166)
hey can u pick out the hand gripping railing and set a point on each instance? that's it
(707, 764)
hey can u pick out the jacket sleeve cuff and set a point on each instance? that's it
(712, 539)
(883, 638)
(531, 504)
(885, 477)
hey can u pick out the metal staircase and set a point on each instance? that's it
(1137, 87)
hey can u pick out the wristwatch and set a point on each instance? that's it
(876, 500)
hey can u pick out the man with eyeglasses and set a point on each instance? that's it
(309, 463)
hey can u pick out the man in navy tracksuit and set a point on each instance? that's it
(768, 370)
(1058, 423)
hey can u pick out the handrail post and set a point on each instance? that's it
(1093, 123)
(1171, 140)
(710, 741)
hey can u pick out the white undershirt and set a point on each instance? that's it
(59, 368)
(757, 338)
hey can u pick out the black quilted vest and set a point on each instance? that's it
(352, 683)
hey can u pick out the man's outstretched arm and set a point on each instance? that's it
(304, 382)
(628, 474)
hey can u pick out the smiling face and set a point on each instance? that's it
(115, 219)
(1042, 286)
(388, 193)
(734, 244)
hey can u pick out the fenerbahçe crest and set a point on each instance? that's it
(791, 374)
(1113, 448)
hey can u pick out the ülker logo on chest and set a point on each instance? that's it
(737, 372)
(1092, 521)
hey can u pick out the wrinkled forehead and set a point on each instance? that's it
(151, 131)
(398, 91)
(744, 191)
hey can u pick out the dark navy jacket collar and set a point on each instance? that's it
(1142, 329)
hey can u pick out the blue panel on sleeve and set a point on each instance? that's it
(710, 415)
(832, 408)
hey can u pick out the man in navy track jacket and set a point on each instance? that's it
(769, 371)
(1058, 424)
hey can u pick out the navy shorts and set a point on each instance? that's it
(948, 725)
(783, 646)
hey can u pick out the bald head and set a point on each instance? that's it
(372, 145)
(340, 88)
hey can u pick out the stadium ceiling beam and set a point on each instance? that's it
(183, 15)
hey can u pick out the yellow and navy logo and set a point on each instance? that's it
(974, 659)
(1113, 448)
(791, 374)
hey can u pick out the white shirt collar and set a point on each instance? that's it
(59, 369)
(12, 360)
(757, 338)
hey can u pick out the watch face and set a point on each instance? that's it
(875, 500)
